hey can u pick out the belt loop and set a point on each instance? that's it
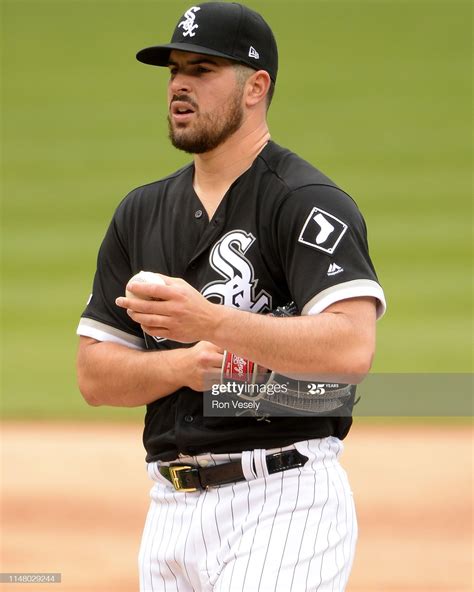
(260, 458)
(247, 465)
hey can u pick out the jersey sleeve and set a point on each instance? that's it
(322, 242)
(102, 319)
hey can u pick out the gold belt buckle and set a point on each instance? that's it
(176, 481)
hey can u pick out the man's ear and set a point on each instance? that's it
(257, 87)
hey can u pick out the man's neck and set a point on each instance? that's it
(215, 171)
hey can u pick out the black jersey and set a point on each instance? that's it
(282, 232)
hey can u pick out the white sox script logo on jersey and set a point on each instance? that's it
(189, 25)
(239, 287)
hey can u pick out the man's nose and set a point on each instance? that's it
(180, 84)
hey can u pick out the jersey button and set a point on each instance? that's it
(188, 418)
(198, 214)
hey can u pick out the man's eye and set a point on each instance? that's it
(202, 70)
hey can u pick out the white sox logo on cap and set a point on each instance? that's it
(189, 25)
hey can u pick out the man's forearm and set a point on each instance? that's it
(328, 344)
(338, 341)
(112, 374)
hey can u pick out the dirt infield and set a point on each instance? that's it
(74, 498)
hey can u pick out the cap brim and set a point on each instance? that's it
(158, 55)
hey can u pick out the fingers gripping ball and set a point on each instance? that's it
(144, 277)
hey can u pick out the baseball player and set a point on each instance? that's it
(238, 503)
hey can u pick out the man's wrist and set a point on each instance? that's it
(218, 325)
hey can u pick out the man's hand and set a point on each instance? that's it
(204, 366)
(176, 311)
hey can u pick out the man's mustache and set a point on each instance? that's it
(184, 99)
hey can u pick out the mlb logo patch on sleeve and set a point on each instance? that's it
(322, 231)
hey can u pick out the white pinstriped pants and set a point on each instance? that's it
(293, 531)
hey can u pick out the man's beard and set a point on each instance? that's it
(212, 129)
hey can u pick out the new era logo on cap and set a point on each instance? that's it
(253, 53)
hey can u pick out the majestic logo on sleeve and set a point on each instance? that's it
(189, 25)
(239, 287)
(322, 231)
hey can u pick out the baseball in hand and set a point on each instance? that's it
(145, 277)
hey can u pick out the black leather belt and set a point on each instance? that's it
(188, 478)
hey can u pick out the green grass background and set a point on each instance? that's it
(375, 93)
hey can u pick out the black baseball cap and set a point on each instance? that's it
(224, 29)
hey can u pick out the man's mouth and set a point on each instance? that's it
(181, 111)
